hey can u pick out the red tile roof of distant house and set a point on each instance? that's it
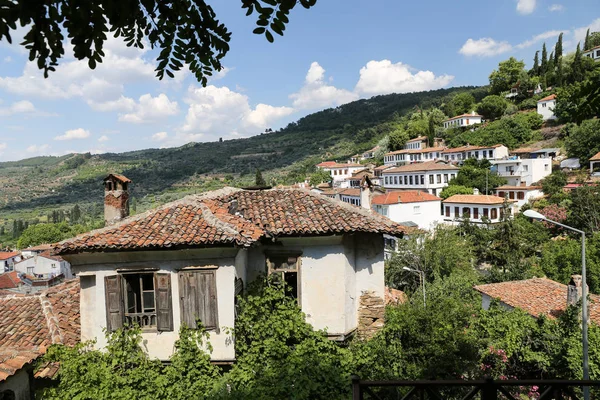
(334, 164)
(382, 167)
(40, 247)
(596, 157)
(31, 323)
(5, 255)
(423, 166)
(526, 188)
(476, 199)
(9, 280)
(464, 116)
(417, 139)
(547, 98)
(232, 217)
(118, 177)
(404, 196)
(470, 148)
(537, 296)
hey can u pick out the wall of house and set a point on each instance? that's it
(426, 216)
(94, 267)
(18, 383)
(454, 219)
(43, 265)
(546, 109)
(486, 302)
(528, 195)
(440, 180)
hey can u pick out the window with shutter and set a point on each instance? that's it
(286, 265)
(114, 302)
(164, 303)
(198, 298)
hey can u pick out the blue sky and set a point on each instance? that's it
(337, 52)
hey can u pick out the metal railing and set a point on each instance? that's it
(488, 389)
(143, 320)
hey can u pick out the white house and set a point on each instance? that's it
(595, 165)
(521, 194)
(593, 53)
(409, 207)
(366, 155)
(474, 207)
(463, 120)
(430, 176)
(545, 107)
(44, 265)
(339, 171)
(415, 150)
(189, 259)
(494, 152)
(518, 171)
(8, 260)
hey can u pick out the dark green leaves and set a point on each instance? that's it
(273, 14)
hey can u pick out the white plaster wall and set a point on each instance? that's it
(369, 264)
(429, 213)
(546, 109)
(19, 384)
(455, 219)
(539, 168)
(43, 265)
(161, 344)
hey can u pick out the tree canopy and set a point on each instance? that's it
(187, 32)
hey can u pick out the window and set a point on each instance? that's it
(456, 212)
(520, 196)
(445, 178)
(431, 179)
(544, 105)
(286, 265)
(477, 154)
(466, 212)
(345, 172)
(396, 180)
(501, 194)
(198, 298)
(439, 178)
(386, 180)
(511, 195)
(30, 270)
(416, 210)
(452, 176)
(525, 168)
(494, 214)
(476, 213)
(490, 154)
(486, 213)
(422, 179)
(139, 298)
(447, 211)
(411, 179)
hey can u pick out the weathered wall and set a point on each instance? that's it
(427, 217)
(43, 265)
(370, 283)
(116, 206)
(19, 384)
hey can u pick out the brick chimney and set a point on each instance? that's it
(574, 290)
(366, 192)
(116, 198)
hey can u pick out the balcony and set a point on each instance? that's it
(143, 320)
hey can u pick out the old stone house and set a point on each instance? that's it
(190, 258)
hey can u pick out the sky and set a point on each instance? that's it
(337, 52)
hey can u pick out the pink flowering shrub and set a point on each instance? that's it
(555, 213)
(495, 363)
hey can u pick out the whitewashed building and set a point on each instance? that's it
(415, 150)
(476, 208)
(8, 260)
(463, 120)
(409, 207)
(593, 53)
(190, 258)
(545, 107)
(595, 165)
(459, 154)
(521, 194)
(518, 171)
(430, 176)
(44, 265)
(339, 171)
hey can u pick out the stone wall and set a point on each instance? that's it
(371, 313)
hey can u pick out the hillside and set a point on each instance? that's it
(60, 181)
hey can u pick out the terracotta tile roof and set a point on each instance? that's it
(417, 139)
(476, 199)
(470, 148)
(464, 116)
(382, 167)
(537, 296)
(231, 217)
(596, 157)
(29, 324)
(5, 255)
(40, 247)
(333, 164)
(121, 178)
(417, 151)
(350, 192)
(548, 98)
(424, 166)
(408, 196)
(509, 187)
(9, 280)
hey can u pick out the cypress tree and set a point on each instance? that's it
(576, 68)
(558, 49)
(559, 73)
(536, 63)
(544, 59)
(586, 43)
(259, 180)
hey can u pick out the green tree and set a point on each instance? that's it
(553, 185)
(536, 63)
(492, 107)
(583, 140)
(397, 140)
(585, 208)
(463, 102)
(476, 174)
(586, 43)
(47, 233)
(319, 176)
(259, 180)
(452, 189)
(506, 75)
(544, 63)
(558, 49)
(187, 32)
(576, 67)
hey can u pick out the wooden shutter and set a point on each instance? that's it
(164, 303)
(114, 302)
(198, 298)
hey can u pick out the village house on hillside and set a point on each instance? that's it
(593, 53)
(463, 120)
(339, 171)
(595, 165)
(8, 260)
(519, 171)
(28, 325)
(409, 207)
(476, 208)
(495, 152)
(415, 150)
(429, 176)
(545, 107)
(189, 259)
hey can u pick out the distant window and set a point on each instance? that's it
(491, 154)
(30, 270)
(396, 180)
(456, 212)
(476, 213)
(466, 212)
(411, 179)
(345, 172)
(501, 194)
(422, 179)
(445, 178)
(439, 178)
(452, 176)
(494, 213)
(520, 196)
(431, 179)
(447, 211)
(511, 195)
(486, 213)
(546, 167)
(416, 209)
(525, 168)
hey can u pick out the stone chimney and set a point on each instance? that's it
(366, 192)
(475, 191)
(574, 290)
(473, 112)
(116, 198)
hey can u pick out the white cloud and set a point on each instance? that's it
(383, 77)
(150, 109)
(37, 149)
(263, 114)
(556, 7)
(122, 104)
(160, 136)
(73, 134)
(525, 6)
(537, 38)
(7, 59)
(484, 47)
(3, 146)
(579, 33)
(220, 74)
(103, 138)
(19, 107)
(317, 94)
